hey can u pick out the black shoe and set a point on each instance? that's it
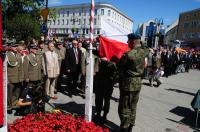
(104, 119)
(158, 84)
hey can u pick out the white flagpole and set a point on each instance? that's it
(5, 80)
(89, 71)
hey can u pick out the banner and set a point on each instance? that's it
(1, 72)
(112, 49)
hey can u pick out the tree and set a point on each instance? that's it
(24, 26)
(12, 8)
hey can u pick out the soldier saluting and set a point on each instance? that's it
(131, 67)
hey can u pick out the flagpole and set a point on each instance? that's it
(3, 83)
(89, 70)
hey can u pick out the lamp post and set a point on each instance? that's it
(158, 23)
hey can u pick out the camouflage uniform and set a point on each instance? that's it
(103, 87)
(130, 67)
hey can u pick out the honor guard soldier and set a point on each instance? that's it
(13, 75)
(23, 65)
(34, 75)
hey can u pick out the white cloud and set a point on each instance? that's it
(54, 2)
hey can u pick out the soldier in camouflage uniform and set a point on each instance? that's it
(130, 67)
(103, 87)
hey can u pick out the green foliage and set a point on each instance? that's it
(12, 9)
(54, 13)
(23, 27)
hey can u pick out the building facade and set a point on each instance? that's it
(75, 19)
(171, 34)
(189, 28)
(149, 30)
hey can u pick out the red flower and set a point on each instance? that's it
(53, 122)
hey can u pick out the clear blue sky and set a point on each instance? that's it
(141, 11)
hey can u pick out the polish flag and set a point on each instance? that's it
(112, 49)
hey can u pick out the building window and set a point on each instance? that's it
(98, 32)
(113, 15)
(95, 21)
(79, 21)
(187, 17)
(73, 13)
(63, 22)
(67, 13)
(84, 21)
(73, 21)
(84, 13)
(102, 12)
(198, 35)
(194, 24)
(58, 22)
(67, 21)
(88, 21)
(89, 13)
(109, 12)
(54, 22)
(87, 31)
(95, 12)
(186, 25)
(79, 13)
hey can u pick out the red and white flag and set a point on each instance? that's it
(112, 49)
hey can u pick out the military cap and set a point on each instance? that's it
(33, 46)
(59, 43)
(133, 36)
(12, 42)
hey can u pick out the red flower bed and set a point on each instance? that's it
(53, 122)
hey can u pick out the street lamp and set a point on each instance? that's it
(158, 23)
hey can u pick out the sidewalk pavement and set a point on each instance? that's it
(160, 109)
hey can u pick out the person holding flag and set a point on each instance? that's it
(130, 66)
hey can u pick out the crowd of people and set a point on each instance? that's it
(37, 70)
(170, 61)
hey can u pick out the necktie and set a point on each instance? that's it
(76, 55)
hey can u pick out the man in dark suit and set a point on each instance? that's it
(72, 63)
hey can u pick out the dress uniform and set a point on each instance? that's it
(13, 76)
(34, 75)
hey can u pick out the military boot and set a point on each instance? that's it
(123, 130)
(130, 128)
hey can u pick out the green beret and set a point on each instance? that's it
(134, 36)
